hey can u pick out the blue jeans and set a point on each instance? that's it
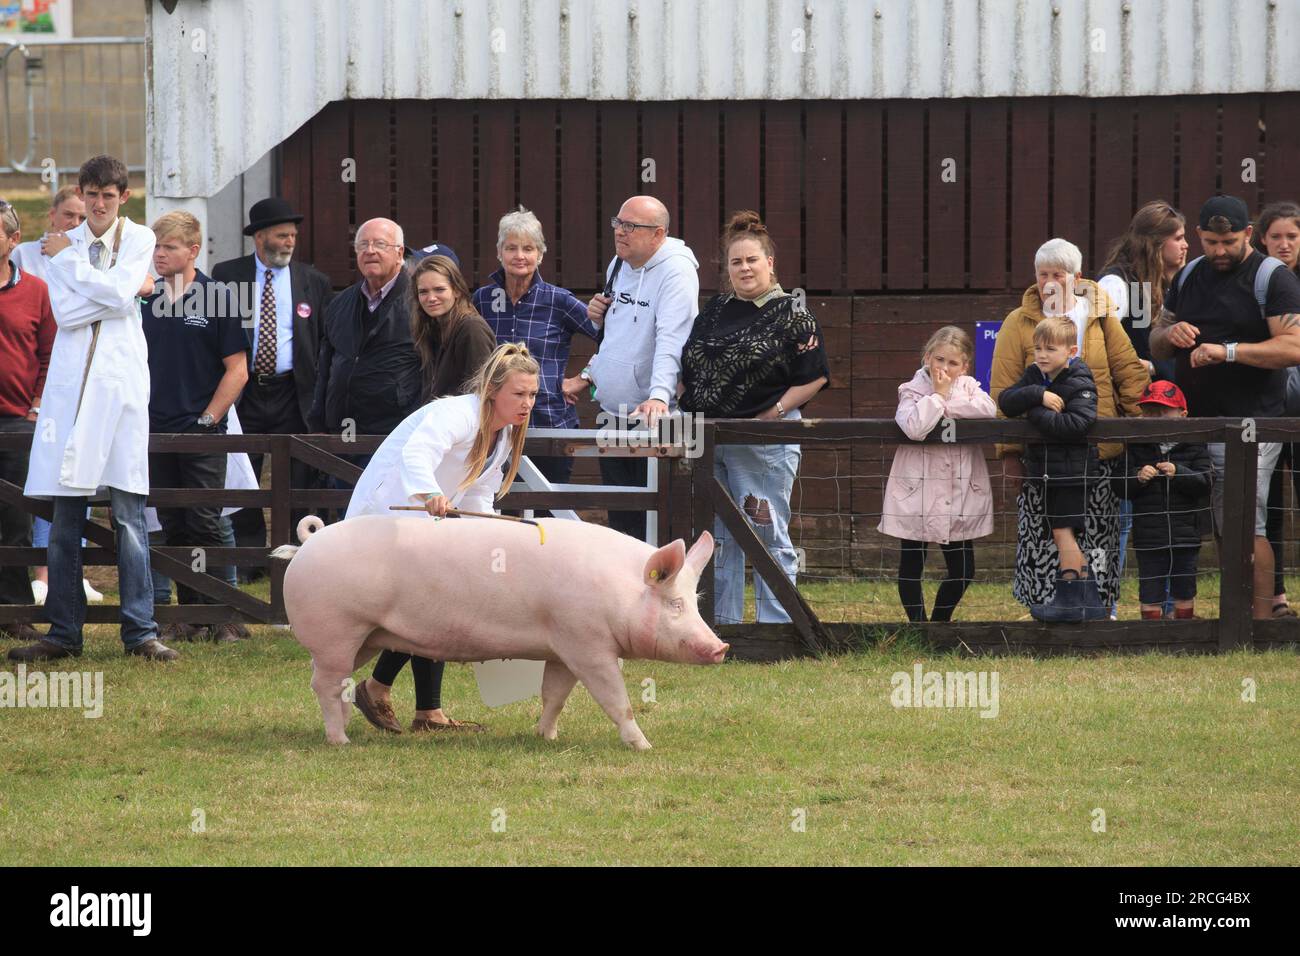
(760, 475)
(66, 602)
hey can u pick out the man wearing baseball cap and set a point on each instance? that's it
(283, 330)
(1231, 322)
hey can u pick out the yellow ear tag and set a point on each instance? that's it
(654, 574)
(541, 533)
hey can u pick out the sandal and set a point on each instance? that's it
(420, 724)
(378, 712)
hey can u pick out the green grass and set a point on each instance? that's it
(1186, 772)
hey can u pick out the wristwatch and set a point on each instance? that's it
(1231, 348)
(780, 410)
(206, 420)
(585, 374)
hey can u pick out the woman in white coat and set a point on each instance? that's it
(448, 454)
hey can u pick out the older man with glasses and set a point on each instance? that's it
(368, 373)
(651, 298)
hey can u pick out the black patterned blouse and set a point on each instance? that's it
(743, 355)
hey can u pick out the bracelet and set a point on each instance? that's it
(34, 410)
(780, 409)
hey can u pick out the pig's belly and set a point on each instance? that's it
(454, 630)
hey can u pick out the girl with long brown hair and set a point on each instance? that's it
(452, 339)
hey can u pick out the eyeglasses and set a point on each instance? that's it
(622, 225)
(361, 245)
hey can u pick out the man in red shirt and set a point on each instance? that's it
(26, 337)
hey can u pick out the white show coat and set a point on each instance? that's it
(428, 454)
(107, 443)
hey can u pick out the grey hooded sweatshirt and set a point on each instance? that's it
(646, 327)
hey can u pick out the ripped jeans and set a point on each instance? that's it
(759, 479)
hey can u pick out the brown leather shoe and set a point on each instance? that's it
(41, 651)
(420, 724)
(378, 712)
(22, 631)
(227, 633)
(154, 650)
(179, 631)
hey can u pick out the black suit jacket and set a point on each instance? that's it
(309, 286)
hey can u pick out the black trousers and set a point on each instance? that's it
(1277, 506)
(960, 559)
(198, 527)
(15, 524)
(625, 471)
(1163, 568)
(271, 409)
(427, 674)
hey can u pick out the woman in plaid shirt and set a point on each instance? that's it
(521, 306)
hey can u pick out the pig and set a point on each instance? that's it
(476, 589)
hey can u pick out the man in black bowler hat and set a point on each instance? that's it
(283, 329)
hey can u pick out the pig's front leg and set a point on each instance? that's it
(604, 681)
(557, 682)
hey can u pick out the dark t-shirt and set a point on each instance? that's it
(188, 342)
(1222, 306)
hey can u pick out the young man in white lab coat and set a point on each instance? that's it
(92, 433)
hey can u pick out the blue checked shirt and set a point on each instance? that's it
(545, 320)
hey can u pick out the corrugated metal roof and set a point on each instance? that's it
(231, 79)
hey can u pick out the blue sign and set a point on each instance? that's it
(986, 334)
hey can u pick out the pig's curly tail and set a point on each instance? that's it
(307, 527)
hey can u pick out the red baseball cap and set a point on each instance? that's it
(1163, 393)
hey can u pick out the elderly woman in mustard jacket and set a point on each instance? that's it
(1060, 289)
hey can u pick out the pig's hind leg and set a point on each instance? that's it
(604, 681)
(328, 682)
(557, 682)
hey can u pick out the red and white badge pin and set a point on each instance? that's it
(304, 310)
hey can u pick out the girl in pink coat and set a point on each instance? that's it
(938, 492)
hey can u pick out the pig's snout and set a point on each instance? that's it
(711, 650)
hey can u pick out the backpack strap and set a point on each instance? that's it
(1186, 271)
(1266, 270)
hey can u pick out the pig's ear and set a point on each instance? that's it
(697, 559)
(665, 562)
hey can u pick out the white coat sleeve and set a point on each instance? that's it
(81, 294)
(423, 452)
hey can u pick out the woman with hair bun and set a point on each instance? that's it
(755, 351)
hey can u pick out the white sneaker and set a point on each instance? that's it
(39, 590)
(93, 596)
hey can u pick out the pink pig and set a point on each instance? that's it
(476, 589)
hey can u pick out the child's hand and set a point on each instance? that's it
(942, 382)
(1146, 473)
(1166, 468)
(1053, 402)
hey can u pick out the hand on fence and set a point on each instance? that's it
(1166, 468)
(1146, 473)
(1053, 401)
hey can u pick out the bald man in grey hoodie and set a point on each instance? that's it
(654, 295)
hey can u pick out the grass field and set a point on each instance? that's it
(1185, 771)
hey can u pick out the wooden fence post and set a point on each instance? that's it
(1237, 541)
(702, 512)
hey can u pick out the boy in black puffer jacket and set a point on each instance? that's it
(1169, 485)
(1058, 396)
